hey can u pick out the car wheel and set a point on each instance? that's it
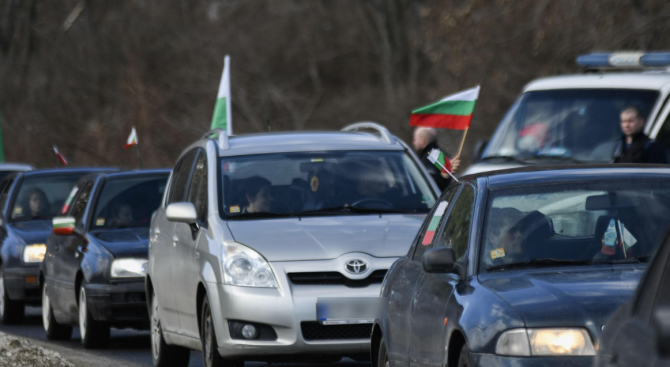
(465, 359)
(11, 312)
(210, 352)
(94, 334)
(53, 330)
(164, 355)
(382, 356)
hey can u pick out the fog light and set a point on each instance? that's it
(249, 331)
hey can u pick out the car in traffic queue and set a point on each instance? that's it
(522, 267)
(568, 119)
(638, 334)
(255, 229)
(9, 168)
(93, 271)
(28, 202)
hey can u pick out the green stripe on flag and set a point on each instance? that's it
(432, 226)
(219, 118)
(458, 108)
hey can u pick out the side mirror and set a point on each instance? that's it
(181, 212)
(441, 260)
(661, 321)
(63, 226)
(479, 149)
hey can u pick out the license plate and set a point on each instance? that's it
(347, 311)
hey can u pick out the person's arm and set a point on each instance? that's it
(657, 154)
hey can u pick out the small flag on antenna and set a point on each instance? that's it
(60, 157)
(132, 139)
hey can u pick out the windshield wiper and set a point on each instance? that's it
(261, 215)
(353, 209)
(630, 260)
(507, 158)
(559, 158)
(39, 217)
(539, 262)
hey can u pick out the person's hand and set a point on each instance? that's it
(455, 163)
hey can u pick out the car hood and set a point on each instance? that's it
(566, 297)
(32, 231)
(126, 242)
(320, 238)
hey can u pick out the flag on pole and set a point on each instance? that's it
(60, 157)
(453, 112)
(132, 139)
(222, 118)
(440, 160)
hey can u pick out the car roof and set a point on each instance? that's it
(60, 171)
(139, 172)
(640, 80)
(15, 167)
(534, 175)
(305, 142)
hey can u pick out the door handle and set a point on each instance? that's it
(174, 241)
(157, 231)
(197, 254)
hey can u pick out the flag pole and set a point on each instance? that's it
(139, 155)
(465, 133)
(446, 170)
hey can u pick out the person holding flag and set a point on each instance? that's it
(425, 141)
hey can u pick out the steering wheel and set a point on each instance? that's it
(385, 203)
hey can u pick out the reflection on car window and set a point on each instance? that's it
(572, 222)
(456, 232)
(307, 183)
(197, 193)
(128, 202)
(42, 197)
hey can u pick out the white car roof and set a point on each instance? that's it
(651, 81)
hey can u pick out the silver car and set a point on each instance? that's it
(254, 229)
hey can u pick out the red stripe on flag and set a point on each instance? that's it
(453, 122)
(126, 146)
(61, 159)
(428, 238)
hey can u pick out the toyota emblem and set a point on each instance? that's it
(356, 266)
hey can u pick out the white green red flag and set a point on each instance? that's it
(132, 139)
(222, 118)
(453, 112)
(63, 225)
(60, 157)
(434, 221)
(440, 160)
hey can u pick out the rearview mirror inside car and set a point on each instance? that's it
(441, 260)
(662, 326)
(63, 226)
(182, 213)
(611, 201)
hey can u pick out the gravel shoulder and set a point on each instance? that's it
(19, 352)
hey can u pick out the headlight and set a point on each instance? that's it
(129, 268)
(34, 253)
(545, 342)
(246, 267)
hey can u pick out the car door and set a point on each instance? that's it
(185, 258)
(402, 290)
(429, 314)
(164, 247)
(68, 256)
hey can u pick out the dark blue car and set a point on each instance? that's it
(522, 267)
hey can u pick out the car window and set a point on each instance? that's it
(197, 192)
(79, 206)
(654, 284)
(4, 190)
(433, 223)
(42, 197)
(181, 175)
(456, 232)
(663, 135)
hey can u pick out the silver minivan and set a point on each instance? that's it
(255, 230)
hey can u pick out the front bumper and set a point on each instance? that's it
(290, 310)
(492, 360)
(22, 284)
(121, 304)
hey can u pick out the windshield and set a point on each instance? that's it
(42, 197)
(128, 202)
(604, 222)
(580, 124)
(324, 183)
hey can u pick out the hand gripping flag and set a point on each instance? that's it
(60, 157)
(453, 112)
(222, 110)
(441, 161)
(132, 139)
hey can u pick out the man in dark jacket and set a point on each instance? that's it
(425, 140)
(635, 146)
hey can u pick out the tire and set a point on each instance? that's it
(164, 355)
(465, 359)
(382, 355)
(11, 312)
(210, 354)
(94, 334)
(52, 329)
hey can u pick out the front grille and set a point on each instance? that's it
(312, 330)
(335, 278)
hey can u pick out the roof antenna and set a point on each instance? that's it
(267, 111)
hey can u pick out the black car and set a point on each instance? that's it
(94, 268)
(522, 267)
(638, 334)
(28, 201)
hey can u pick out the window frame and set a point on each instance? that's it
(84, 221)
(202, 222)
(458, 188)
(445, 221)
(175, 174)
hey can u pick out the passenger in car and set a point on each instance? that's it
(123, 215)
(257, 194)
(37, 203)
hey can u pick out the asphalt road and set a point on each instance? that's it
(126, 348)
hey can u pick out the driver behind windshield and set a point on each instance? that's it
(38, 204)
(257, 194)
(123, 215)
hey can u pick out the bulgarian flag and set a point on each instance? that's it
(132, 139)
(453, 112)
(434, 222)
(60, 157)
(440, 160)
(222, 118)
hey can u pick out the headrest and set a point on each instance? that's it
(535, 226)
